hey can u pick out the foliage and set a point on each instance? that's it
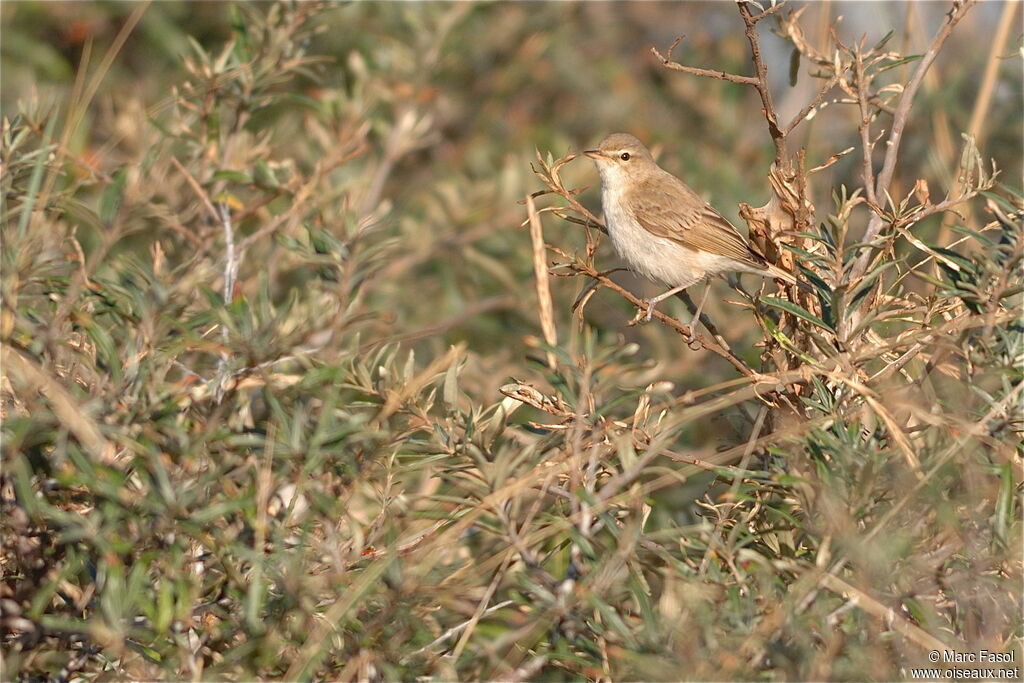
(287, 394)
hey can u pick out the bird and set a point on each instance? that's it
(662, 229)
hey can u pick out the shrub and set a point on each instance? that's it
(269, 410)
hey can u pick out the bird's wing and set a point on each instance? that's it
(675, 212)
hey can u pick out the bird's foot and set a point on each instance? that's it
(650, 309)
(643, 313)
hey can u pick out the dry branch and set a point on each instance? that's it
(899, 123)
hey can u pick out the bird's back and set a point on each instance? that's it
(667, 207)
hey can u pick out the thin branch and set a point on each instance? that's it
(525, 672)
(867, 147)
(666, 61)
(197, 188)
(902, 114)
(892, 620)
(737, 479)
(768, 12)
(984, 98)
(758, 81)
(230, 261)
(812, 105)
(761, 84)
(551, 178)
(684, 331)
(29, 377)
(455, 630)
(704, 320)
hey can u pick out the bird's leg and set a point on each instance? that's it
(700, 306)
(651, 303)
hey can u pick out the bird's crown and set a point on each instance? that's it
(621, 148)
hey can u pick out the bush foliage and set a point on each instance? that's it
(306, 375)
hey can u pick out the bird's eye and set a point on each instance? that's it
(624, 156)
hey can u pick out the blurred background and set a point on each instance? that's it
(375, 164)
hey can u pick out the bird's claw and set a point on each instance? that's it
(643, 313)
(650, 310)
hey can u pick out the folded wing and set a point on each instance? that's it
(673, 211)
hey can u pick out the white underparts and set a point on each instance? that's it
(658, 258)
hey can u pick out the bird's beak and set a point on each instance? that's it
(593, 153)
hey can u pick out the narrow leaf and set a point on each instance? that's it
(790, 307)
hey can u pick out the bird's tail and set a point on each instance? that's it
(776, 272)
(779, 273)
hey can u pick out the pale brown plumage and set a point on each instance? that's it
(662, 228)
(672, 210)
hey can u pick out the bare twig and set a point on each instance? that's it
(403, 138)
(984, 99)
(550, 176)
(666, 61)
(524, 672)
(866, 144)
(759, 81)
(761, 84)
(29, 378)
(737, 479)
(768, 12)
(899, 123)
(230, 261)
(805, 113)
(308, 195)
(893, 620)
(939, 462)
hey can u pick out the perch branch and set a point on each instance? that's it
(684, 331)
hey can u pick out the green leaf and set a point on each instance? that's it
(974, 234)
(110, 200)
(796, 310)
(885, 39)
(900, 62)
(233, 176)
(804, 254)
(865, 286)
(106, 349)
(784, 341)
(264, 175)
(35, 181)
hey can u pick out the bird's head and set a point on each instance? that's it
(621, 155)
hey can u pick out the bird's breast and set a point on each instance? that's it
(656, 258)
